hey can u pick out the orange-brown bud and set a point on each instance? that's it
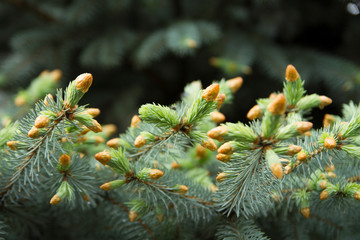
(209, 144)
(287, 169)
(331, 175)
(19, 101)
(293, 149)
(211, 92)
(302, 156)
(106, 186)
(34, 132)
(226, 148)
(84, 130)
(155, 174)
(220, 99)
(103, 157)
(328, 120)
(223, 157)
(139, 141)
(64, 160)
(291, 74)
(272, 96)
(217, 133)
(191, 43)
(135, 121)
(322, 184)
(56, 199)
(83, 82)
(113, 143)
(99, 139)
(95, 127)
(182, 189)
(220, 177)
(254, 113)
(303, 127)
(330, 168)
(276, 169)
(200, 151)
(175, 165)
(159, 217)
(94, 112)
(357, 196)
(217, 117)
(56, 75)
(324, 195)
(329, 143)
(133, 216)
(49, 96)
(13, 145)
(42, 121)
(324, 101)
(85, 197)
(235, 83)
(109, 129)
(305, 212)
(277, 106)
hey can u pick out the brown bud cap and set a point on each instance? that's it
(277, 106)
(235, 83)
(175, 165)
(209, 144)
(99, 139)
(226, 148)
(291, 74)
(95, 127)
(322, 184)
(218, 132)
(113, 143)
(223, 157)
(56, 75)
(106, 186)
(139, 141)
(64, 160)
(19, 101)
(211, 92)
(303, 127)
(13, 145)
(357, 196)
(56, 199)
(324, 101)
(83, 82)
(42, 121)
(276, 169)
(34, 132)
(103, 157)
(328, 120)
(305, 212)
(324, 195)
(302, 156)
(329, 143)
(220, 99)
(287, 169)
(133, 216)
(217, 117)
(155, 174)
(94, 112)
(49, 96)
(182, 189)
(200, 151)
(331, 175)
(254, 113)
(191, 43)
(293, 149)
(220, 177)
(135, 120)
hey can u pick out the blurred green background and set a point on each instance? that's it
(143, 51)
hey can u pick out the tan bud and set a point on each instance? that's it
(200, 151)
(305, 212)
(106, 186)
(223, 157)
(103, 157)
(277, 106)
(293, 149)
(56, 75)
(191, 43)
(19, 101)
(235, 83)
(217, 117)
(209, 144)
(213, 188)
(49, 96)
(226, 148)
(135, 121)
(331, 175)
(155, 174)
(302, 156)
(324, 195)
(139, 141)
(324, 101)
(99, 139)
(34, 132)
(220, 177)
(303, 127)
(64, 160)
(83, 82)
(291, 74)
(211, 92)
(357, 196)
(254, 113)
(175, 165)
(85, 197)
(322, 184)
(220, 99)
(95, 127)
(84, 130)
(113, 143)
(276, 169)
(94, 112)
(218, 132)
(329, 143)
(13, 145)
(56, 199)
(42, 121)
(133, 216)
(328, 120)
(287, 169)
(330, 168)
(182, 189)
